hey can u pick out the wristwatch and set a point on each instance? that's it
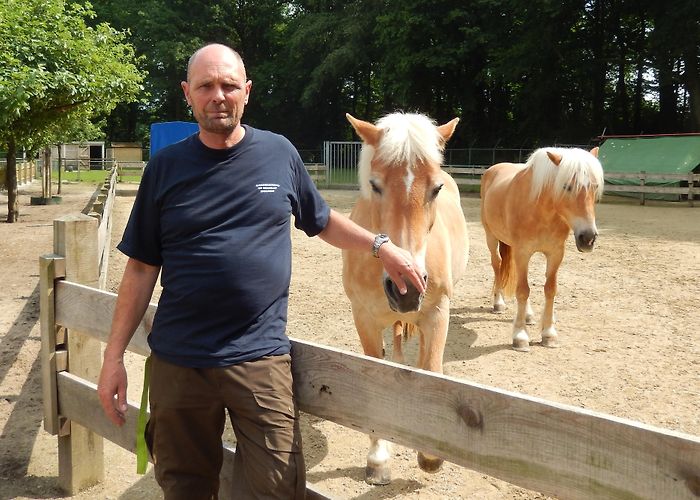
(379, 240)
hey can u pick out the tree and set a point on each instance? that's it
(57, 75)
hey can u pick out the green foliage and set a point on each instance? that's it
(58, 75)
(517, 72)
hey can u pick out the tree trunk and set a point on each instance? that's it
(46, 177)
(11, 182)
(668, 99)
(692, 82)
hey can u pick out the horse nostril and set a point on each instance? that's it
(425, 278)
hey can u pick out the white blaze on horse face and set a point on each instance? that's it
(408, 179)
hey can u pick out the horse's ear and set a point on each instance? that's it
(555, 157)
(594, 151)
(448, 129)
(367, 131)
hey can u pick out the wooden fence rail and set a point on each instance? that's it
(129, 170)
(472, 176)
(26, 172)
(556, 449)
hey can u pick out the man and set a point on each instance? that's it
(213, 216)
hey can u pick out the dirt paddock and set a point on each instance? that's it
(628, 316)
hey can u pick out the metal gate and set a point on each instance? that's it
(341, 158)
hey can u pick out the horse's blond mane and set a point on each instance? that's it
(578, 169)
(408, 138)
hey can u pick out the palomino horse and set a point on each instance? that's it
(405, 194)
(532, 208)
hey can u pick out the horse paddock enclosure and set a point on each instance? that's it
(627, 315)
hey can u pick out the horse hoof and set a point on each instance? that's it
(499, 308)
(521, 347)
(521, 342)
(378, 475)
(551, 342)
(530, 319)
(550, 337)
(429, 463)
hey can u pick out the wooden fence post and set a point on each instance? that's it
(642, 183)
(691, 188)
(51, 267)
(80, 452)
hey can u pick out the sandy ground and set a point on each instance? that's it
(628, 319)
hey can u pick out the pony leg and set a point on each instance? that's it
(378, 469)
(550, 338)
(529, 314)
(397, 353)
(499, 304)
(433, 335)
(521, 340)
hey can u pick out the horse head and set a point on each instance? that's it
(400, 177)
(577, 184)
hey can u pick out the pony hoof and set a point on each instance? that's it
(521, 347)
(499, 308)
(530, 320)
(428, 463)
(521, 342)
(378, 475)
(551, 342)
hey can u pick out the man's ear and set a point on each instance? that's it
(186, 89)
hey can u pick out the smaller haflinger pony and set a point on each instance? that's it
(405, 193)
(532, 208)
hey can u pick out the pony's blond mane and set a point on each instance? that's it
(407, 138)
(578, 169)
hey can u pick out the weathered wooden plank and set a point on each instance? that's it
(79, 307)
(79, 402)
(648, 176)
(646, 189)
(468, 182)
(51, 267)
(474, 170)
(559, 450)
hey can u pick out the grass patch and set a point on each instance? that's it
(91, 176)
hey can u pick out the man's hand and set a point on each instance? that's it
(401, 267)
(113, 382)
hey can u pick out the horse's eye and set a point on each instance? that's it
(436, 191)
(375, 187)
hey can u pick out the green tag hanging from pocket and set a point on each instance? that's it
(141, 448)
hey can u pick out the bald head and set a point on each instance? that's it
(216, 51)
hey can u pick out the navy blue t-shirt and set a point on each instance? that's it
(218, 224)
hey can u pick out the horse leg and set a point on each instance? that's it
(529, 314)
(549, 333)
(499, 304)
(521, 340)
(378, 470)
(433, 335)
(397, 352)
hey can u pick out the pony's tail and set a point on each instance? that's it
(506, 275)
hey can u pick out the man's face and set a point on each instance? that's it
(217, 90)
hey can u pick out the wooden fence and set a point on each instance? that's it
(559, 450)
(129, 170)
(26, 173)
(472, 176)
